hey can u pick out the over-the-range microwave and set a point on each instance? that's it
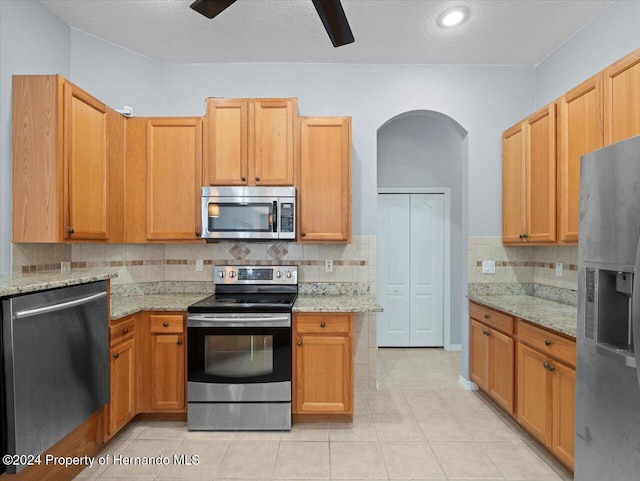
(248, 213)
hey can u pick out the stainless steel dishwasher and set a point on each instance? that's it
(56, 356)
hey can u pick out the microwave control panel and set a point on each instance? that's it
(287, 216)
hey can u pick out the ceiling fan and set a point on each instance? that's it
(330, 11)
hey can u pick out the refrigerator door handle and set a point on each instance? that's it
(635, 309)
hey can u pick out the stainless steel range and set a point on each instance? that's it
(239, 350)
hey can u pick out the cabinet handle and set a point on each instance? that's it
(257, 179)
(71, 230)
(547, 342)
(243, 179)
(116, 355)
(322, 324)
(179, 342)
(299, 342)
(165, 324)
(303, 234)
(125, 330)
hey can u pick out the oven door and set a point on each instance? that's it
(240, 218)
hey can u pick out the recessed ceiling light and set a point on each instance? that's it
(453, 17)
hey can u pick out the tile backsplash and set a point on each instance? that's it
(524, 265)
(136, 263)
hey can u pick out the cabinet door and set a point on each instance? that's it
(479, 350)
(622, 99)
(541, 175)
(174, 178)
(534, 393)
(501, 370)
(167, 372)
(513, 185)
(122, 405)
(324, 180)
(86, 157)
(580, 130)
(272, 141)
(564, 404)
(227, 124)
(324, 383)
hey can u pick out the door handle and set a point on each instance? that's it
(59, 307)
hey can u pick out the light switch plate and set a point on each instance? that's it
(559, 269)
(488, 267)
(199, 265)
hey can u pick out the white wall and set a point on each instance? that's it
(32, 41)
(610, 36)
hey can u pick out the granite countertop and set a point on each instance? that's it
(18, 283)
(550, 314)
(125, 305)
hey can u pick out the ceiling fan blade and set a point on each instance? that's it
(211, 8)
(335, 21)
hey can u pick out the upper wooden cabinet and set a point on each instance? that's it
(580, 130)
(68, 158)
(622, 99)
(529, 179)
(250, 141)
(324, 179)
(174, 179)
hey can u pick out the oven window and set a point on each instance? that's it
(240, 217)
(238, 356)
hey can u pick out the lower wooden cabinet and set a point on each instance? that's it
(492, 358)
(122, 405)
(323, 366)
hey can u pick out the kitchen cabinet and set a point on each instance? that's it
(323, 387)
(250, 141)
(122, 405)
(68, 163)
(622, 98)
(167, 363)
(529, 179)
(492, 355)
(580, 130)
(546, 388)
(324, 180)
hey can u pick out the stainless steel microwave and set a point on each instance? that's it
(248, 213)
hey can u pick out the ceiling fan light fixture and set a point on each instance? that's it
(453, 17)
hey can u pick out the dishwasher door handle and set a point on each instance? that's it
(59, 307)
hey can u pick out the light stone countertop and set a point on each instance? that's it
(18, 283)
(336, 303)
(550, 314)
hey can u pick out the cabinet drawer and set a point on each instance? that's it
(327, 324)
(551, 344)
(121, 330)
(166, 323)
(496, 319)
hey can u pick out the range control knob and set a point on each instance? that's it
(288, 274)
(221, 274)
(278, 274)
(232, 274)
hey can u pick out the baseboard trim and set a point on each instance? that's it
(466, 384)
(453, 347)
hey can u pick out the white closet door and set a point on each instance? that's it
(427, 270)
(394, 269)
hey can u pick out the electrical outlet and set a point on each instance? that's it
(559, 269)
(488, 267)
(328, 266)
(199, 265)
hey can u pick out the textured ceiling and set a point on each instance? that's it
(498, 32)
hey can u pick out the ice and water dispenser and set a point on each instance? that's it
(608, 313)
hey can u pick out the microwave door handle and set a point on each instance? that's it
(275, 216)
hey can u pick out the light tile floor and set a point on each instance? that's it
(420, 424)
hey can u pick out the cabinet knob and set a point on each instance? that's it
(244, 179)
(547, 342)
(257, 179)
(524, 236)
(488, 333)
(116, 355)
(323, 324)
(165, 324)
(125, 330)
(197, 234)
(71, 230)
(179, 342)
(487, 316)
(551, 368)
(303, 234)
(299, 342)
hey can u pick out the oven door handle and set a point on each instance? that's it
(218, 321)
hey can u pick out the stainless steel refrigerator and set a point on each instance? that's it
(607, 444)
